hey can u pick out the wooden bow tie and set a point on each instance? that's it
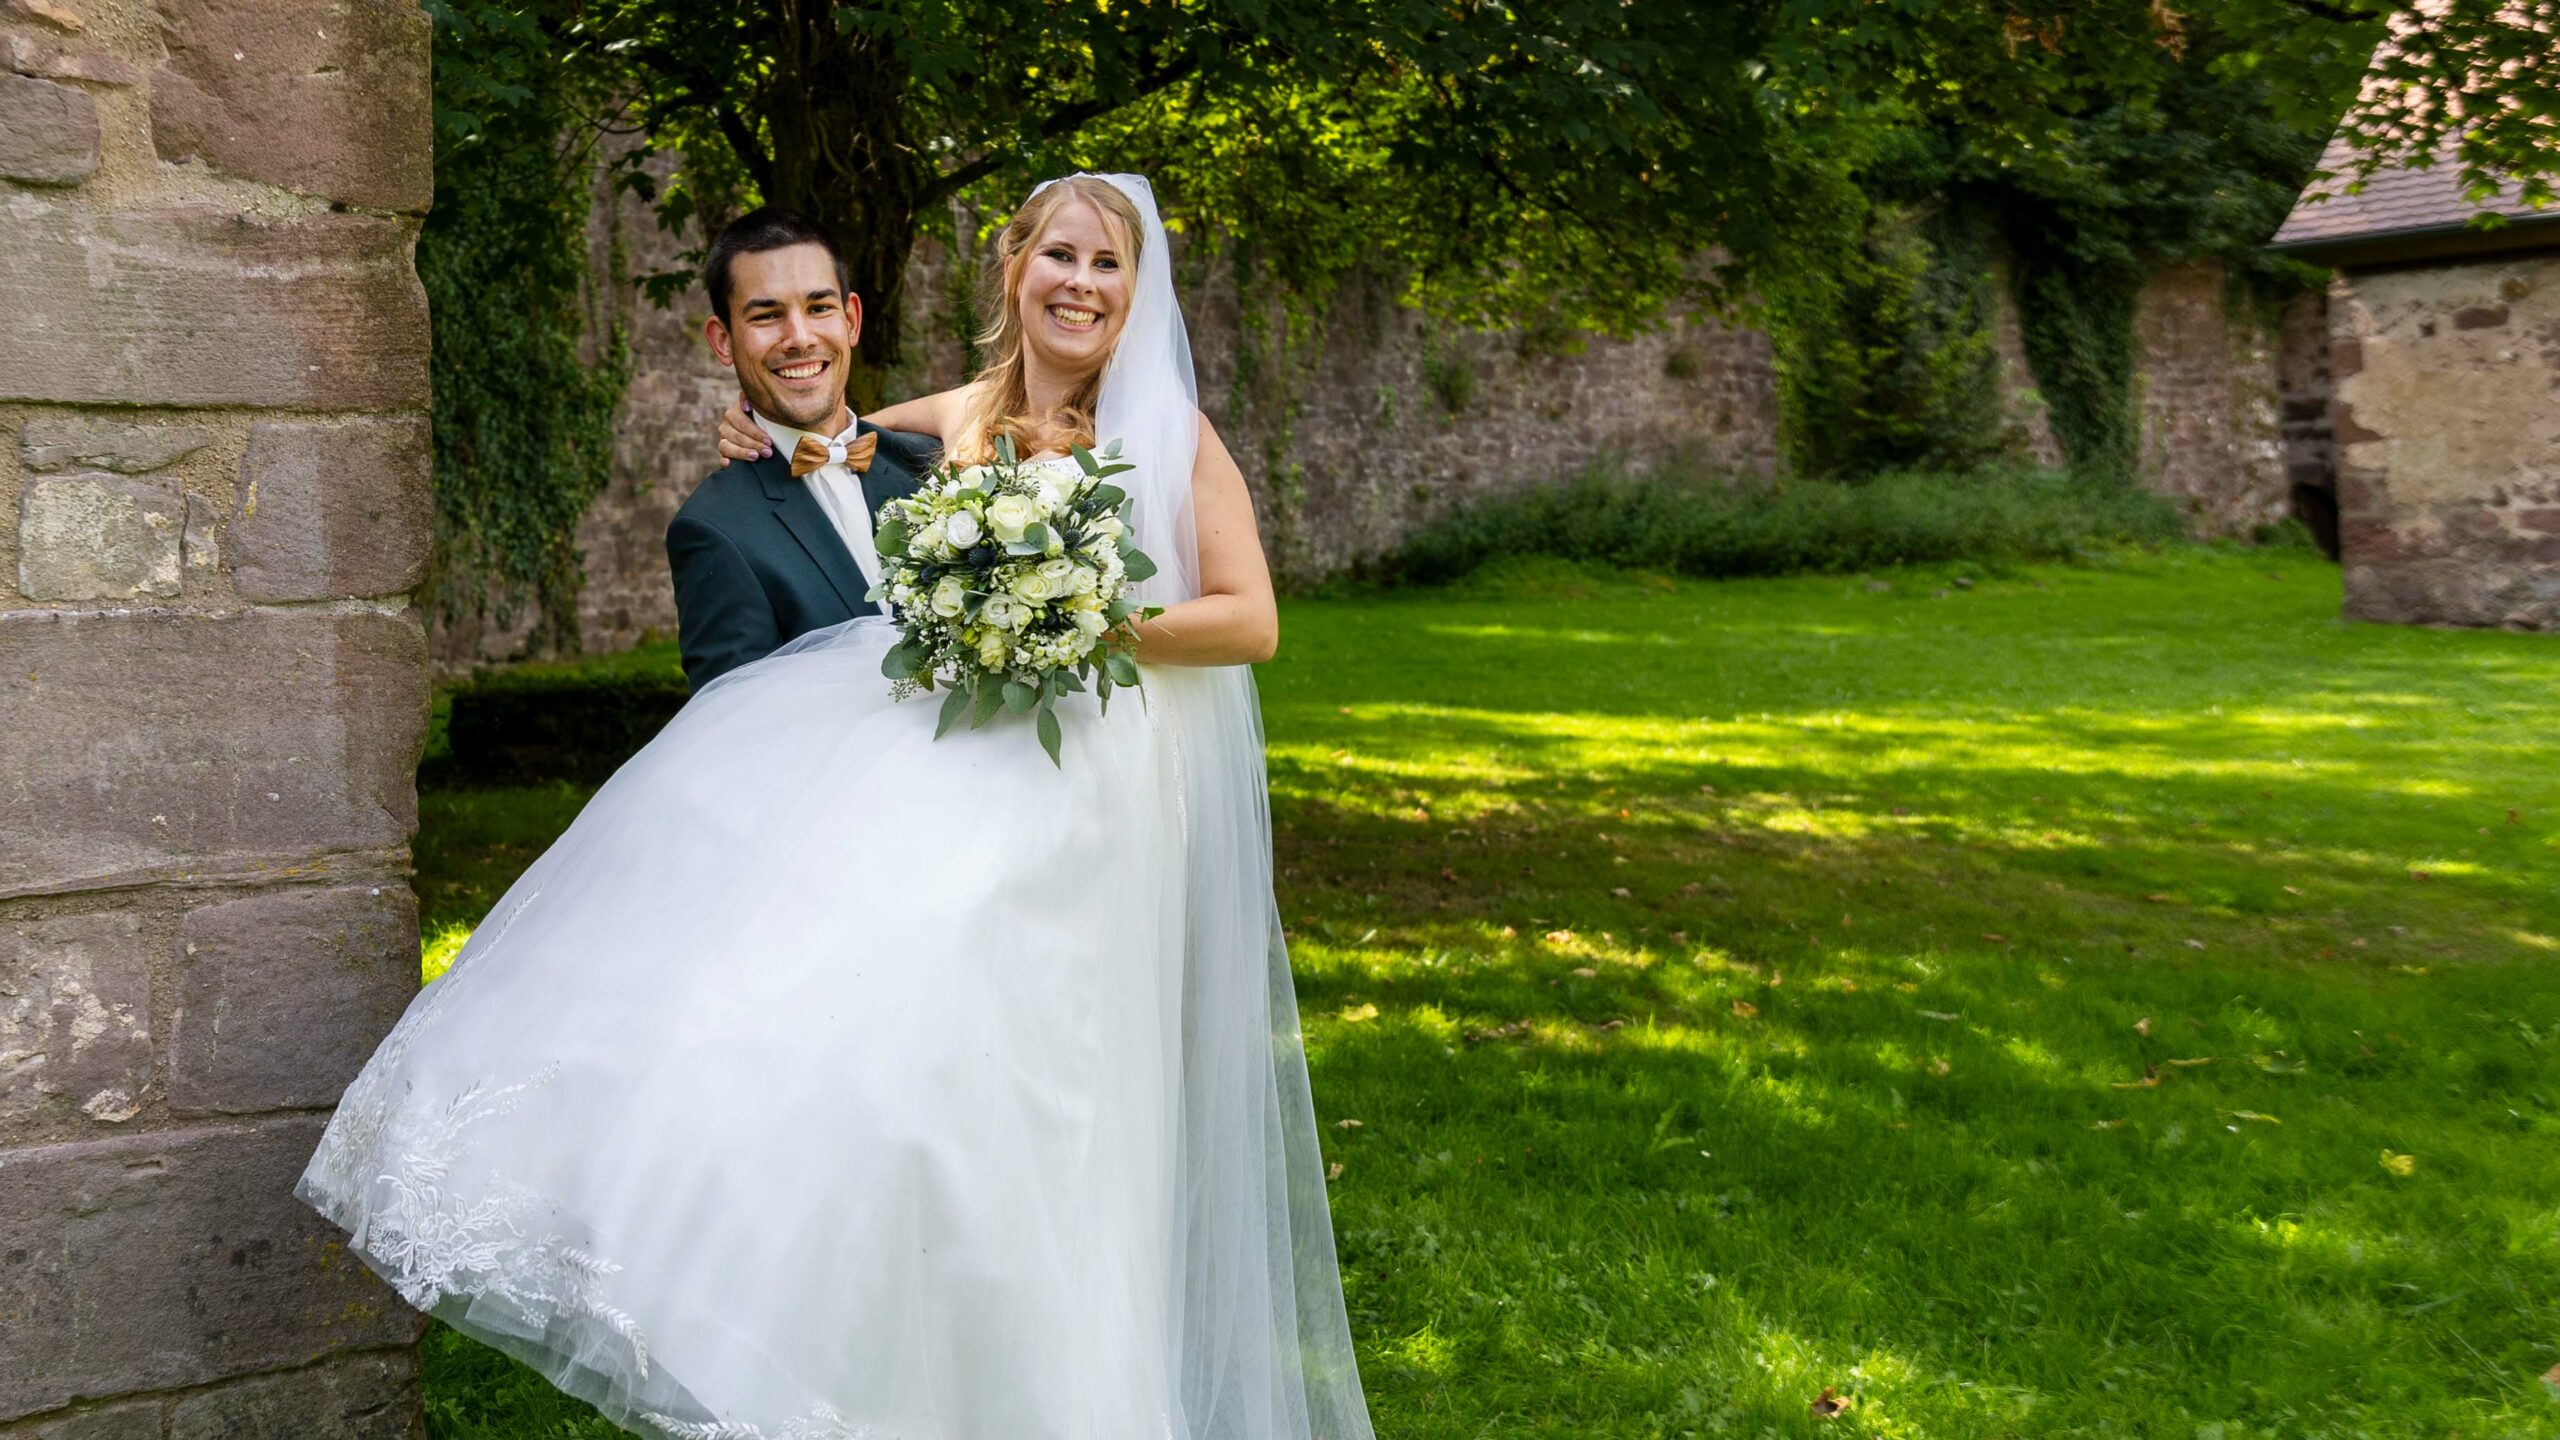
(813, 454)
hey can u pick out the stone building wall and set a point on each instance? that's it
(2448, 440)
(214, 476)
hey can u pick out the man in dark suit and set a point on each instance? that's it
(768, 550)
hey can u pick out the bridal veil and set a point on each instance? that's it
(1264, 1346)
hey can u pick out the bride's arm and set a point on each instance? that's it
(1235, 621)
(937, 415)
(740, 438)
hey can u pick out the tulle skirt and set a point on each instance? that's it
(823, 1080)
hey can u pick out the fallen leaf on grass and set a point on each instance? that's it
(2195, 944)
(1994, 939)
(1346, 1124)
(1830, 1403)
(1941, 1015)
(1333, 1172)
(2403, 1165)
(1745, 1009)
(2104, 1124)
(2150, 1080)
(1692, 888)
(1585, 972)
(2160, 899)
(1938, 1065)
(2420, 875)
(2551, 1379)
(2289, 890)
(2142, 1026)
(1622, 893)
(1354, 1014)
(2197, 1060)
(1613, 1025)
(2253, 1115)
(1559, 937)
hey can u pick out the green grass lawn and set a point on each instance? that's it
(2099, 1001)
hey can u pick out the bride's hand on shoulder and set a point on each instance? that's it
(740, 438)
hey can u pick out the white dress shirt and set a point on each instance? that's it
(839, 493)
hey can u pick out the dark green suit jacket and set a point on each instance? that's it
(757, 563)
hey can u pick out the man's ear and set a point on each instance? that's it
(717, 335)
(853, 318)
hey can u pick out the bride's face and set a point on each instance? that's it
(1075, 291)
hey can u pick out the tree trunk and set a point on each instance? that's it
(835, 108)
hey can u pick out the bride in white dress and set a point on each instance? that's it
(827, 1080)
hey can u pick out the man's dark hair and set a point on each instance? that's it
(769, 228)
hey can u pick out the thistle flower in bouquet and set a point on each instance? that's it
(1008, 583)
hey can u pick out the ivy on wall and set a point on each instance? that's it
(526, 386)
(1885, 355)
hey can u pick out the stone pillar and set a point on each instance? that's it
(2447, 440)
(213, 503)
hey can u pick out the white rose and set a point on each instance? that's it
(1109, 526)
(1036, 586)
(1082, 581)
(930, 539)
(961, 529)
(1003, 612)
(1089, 621)
(949, 597)
(991, 649)
(1008, 515)
(1061, 572)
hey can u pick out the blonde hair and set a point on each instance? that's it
(1000, 397)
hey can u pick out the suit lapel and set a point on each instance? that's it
(798, 510)
(886, 480)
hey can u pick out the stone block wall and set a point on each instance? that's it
(2448, 440)
(1374, 422)
(1348, 438)
(2210, 389)
(214, 480)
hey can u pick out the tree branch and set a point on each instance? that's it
(1063, 121)
(702, 90)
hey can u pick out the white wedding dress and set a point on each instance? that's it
(827, 1080)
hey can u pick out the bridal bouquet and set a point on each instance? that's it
(1007, 582)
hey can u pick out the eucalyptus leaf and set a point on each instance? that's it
(1050, 738)
(1120, 668)
(1019, 697)
(901, 661)
(1108, 496)
(953, 706)
(1085, 460)
(990, 700)
(1137, 563)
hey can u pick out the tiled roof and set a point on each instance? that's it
(2394, 201)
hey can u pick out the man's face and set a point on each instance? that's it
(790, 335)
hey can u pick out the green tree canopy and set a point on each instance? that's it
(1567, 160)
